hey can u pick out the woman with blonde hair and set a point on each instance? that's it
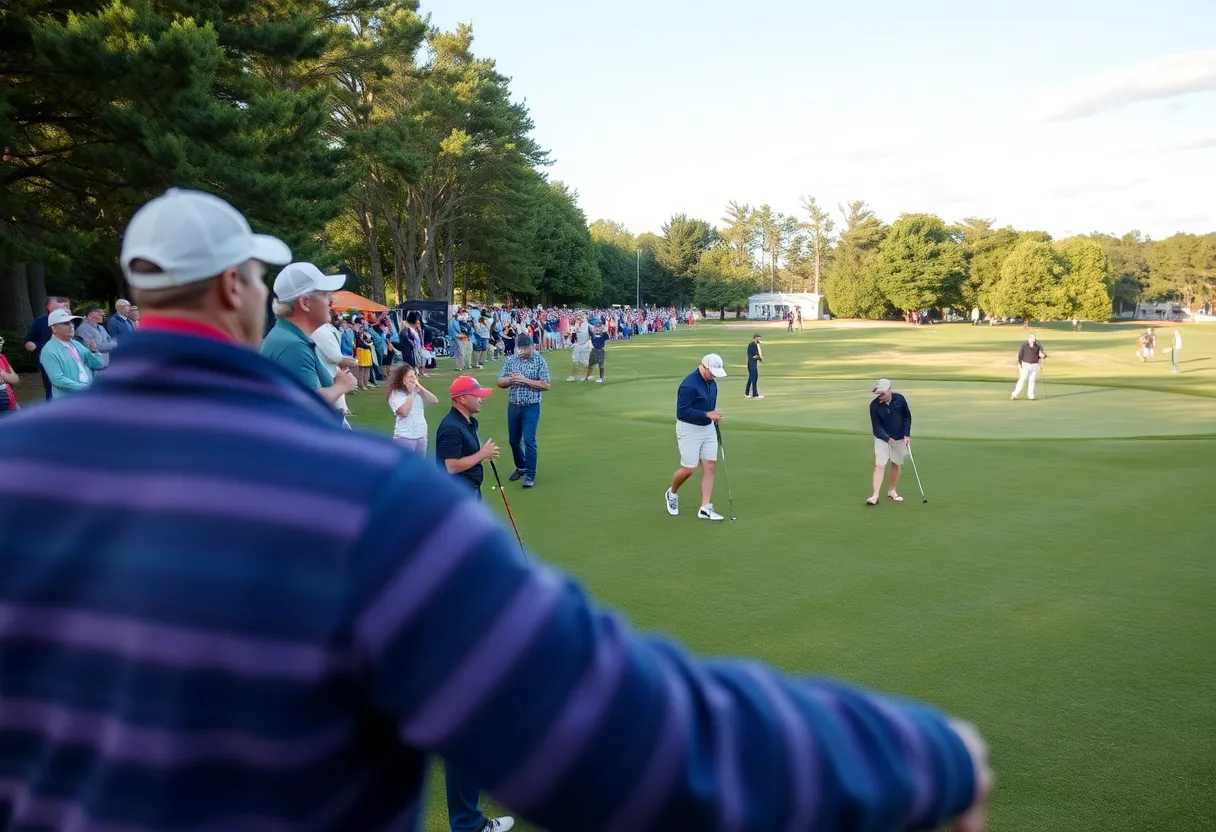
(406, 398)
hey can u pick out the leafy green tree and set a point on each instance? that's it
(984, 251)
(721, 283)
(819, 227)
(851, 278)
(569, 273)
(618, 259)
(1030, 286)
(920, 265)
(1086, 283)
(1128, 267)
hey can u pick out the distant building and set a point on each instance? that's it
(772, 306)
(1165, 310)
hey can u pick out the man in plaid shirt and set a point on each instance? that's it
(527, 374)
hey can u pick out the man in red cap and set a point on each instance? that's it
(460, 451)
(457, 446)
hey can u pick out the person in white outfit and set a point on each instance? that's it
(329, 349)
(1176, 351)
(406, 398)
(1029, 356)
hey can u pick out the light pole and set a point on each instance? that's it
(638, 299)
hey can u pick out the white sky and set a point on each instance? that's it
(1069, 116)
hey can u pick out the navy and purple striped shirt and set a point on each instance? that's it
(235, 630)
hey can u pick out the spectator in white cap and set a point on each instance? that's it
(303, 298)
(891, 420)
(696, 436)
(68, 364)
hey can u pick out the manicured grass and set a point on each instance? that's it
(1059, 589)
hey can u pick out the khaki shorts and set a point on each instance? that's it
(697, 442)
(884, 453)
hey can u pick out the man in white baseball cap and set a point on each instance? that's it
(302, 303)
(696, 413)
(68, 364)
(891, 422)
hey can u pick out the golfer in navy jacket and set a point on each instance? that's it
(696, 413)
(266, 642)
(891, 420)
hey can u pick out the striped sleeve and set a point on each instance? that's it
(508, 670)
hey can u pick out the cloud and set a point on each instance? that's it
(1198, 142)
(1163, 77)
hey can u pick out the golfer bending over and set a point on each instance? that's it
(892, 422)
(696, 401)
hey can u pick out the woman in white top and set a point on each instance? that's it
(406, 398)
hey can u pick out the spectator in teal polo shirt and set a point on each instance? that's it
(302, 299)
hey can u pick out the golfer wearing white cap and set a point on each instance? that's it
(891, 420)
(68, 364)
(696, 413)
(302, 303)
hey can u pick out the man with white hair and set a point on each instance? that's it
(302, 304)
(120, 323)
(69, 364)
(696, 434)
(259, 648)
(1029, 356)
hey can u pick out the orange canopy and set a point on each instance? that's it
(344, 300)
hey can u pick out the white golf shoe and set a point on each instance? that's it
(673, 503)
(706, 512)
(498, 824)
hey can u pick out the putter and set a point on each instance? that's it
(510, 516)
(729, 497)
(923, 498)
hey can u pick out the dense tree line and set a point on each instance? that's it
(871, 269)
(374, 142)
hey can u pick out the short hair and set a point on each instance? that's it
(89, 310)
(176, 297)
(121, 302)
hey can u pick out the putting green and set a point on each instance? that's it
(956, 409)
(1057, 590)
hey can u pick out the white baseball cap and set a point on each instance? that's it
(884, 384)
(61, 316)
(300, 279)
(192, 236)
(713, 363)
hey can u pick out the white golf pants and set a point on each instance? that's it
(1026, 378)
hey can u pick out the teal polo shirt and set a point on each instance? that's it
(289, 347)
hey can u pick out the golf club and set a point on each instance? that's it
(729, 497)
(510, 516)
(923, 498)
(1042, 379)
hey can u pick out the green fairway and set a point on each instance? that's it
(1059, 589)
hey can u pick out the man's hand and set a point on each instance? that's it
(890, 442)
(345, 381)
(30, 346)
(91, 344)
(973, 820)
(714, 415)
(489, 450)
(908, 441)
(347, 361)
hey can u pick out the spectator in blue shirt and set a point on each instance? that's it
(119, 325)
(251, 649)
(891, 420)
(38, 336)
(599, 342)
(302, 304)
(527, 374)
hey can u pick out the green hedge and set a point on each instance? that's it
(14, 351)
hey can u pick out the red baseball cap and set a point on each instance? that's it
(468, 386)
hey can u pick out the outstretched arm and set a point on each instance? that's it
(572, 719)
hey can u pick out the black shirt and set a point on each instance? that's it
(457, 438)
(1029, 354)
(753, 352)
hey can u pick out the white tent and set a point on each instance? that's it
(772, 306)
